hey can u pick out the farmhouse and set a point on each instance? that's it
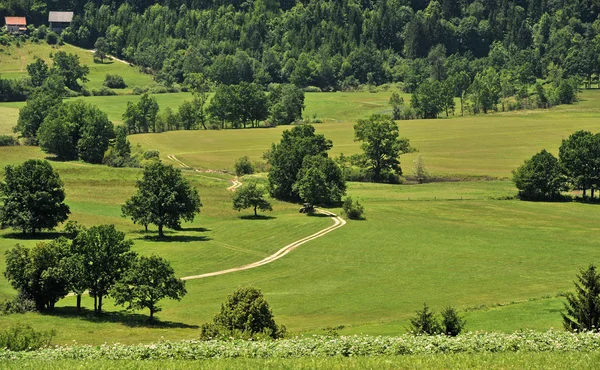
(15, 25)
(59, 20)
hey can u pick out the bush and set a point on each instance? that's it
(20, 304)
(114, 82)
(425, 322)
(540, 178)
(159, 89)
(452, 323)
(104, 91)
(151, 154)
(139, 90)
(7, 140)
(52, 38)
(243, 166)
(24, 338)
(312, 89)
(352, 210)
(245, 314)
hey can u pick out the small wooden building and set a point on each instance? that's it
(15, 25)
(59, 20)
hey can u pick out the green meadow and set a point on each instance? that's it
(463, 243)
(14, 60)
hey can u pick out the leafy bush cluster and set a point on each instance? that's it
(243, 166)
(114, 82)
(8, 140)
(323, 346)
(353, 209)
(24, 338)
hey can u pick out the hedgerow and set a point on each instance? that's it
(324, 346)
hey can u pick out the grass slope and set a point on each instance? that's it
(14, 61)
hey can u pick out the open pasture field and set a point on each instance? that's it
(503, 261)
(14, 61)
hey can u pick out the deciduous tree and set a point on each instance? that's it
(251, 195)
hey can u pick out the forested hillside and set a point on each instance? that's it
(337, 44)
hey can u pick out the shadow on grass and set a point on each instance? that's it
(321, 215)
(259, 217)
(37, 236)
(177, 238)
(126, 318)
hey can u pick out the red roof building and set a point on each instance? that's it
(15, 24)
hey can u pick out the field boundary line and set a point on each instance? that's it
(337, 223)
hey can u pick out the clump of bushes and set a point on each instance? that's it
(19, 304)
(52, 38)
(243, 166)
(24, 338)
(114, 82)
(103, 91)
(353, 210)
(7, 140)
(245, 315)
(426, 323)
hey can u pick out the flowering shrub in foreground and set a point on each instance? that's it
(322, 346)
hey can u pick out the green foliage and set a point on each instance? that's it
(425, 322)
(397, 103)
(239, 105)
(353, 209)
(485, 91)
(251, 195)
(101, 49)
(243, 166)
(146, 282)
(141, 117)
(163, 198)
(37, 272)
(427, 100)
(38, 72)
(452, 323)
(540, 178)
(421, 172)
(106, 256)
(8, 140)
(320, 181)
(76, 130)
(381, 145)
(579, 155)
(245, 312)
(582, 309)
(52, 38)
(114, 82)
(39, 105)
(25, 338)
(286, 104)
(70, 69)
(33, 197)
(286, 158)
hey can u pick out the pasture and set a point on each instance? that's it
(14, 61)
(461, 243)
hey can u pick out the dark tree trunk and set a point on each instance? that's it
(160, 231)
(78, 302)
(100, 304)
(95, 303)
(146, 227)
(151, 315)
(255, 214)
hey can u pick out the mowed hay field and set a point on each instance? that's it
(14, 61)
(461, 243)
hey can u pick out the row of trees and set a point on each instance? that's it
(544, 177)
(232, 106)
(98, 260)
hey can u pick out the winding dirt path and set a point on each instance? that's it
(337, 223)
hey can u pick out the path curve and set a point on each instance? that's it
(338, 222)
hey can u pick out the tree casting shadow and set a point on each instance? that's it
(177, 238)
(259, 217)
(125, 318)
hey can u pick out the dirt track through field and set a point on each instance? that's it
(337, 223)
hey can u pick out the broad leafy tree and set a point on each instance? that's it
(38, 107)
(38, 72)
(70, 69)
(251, 195)
(37, 273)
(33, 197)
(286, 104)
(582, 309)
(579, 154)
(102, 49)
(106, 256)
(148, 281)
(320, 181)
(164, 198)
(540, 178)
(382, 145)
(428, 100)
(286, 159)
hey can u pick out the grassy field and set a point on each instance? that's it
(14, 61)
(459, 361)
(503, 261)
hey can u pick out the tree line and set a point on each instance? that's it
(545, 177)
(232, 106)
(332, 44)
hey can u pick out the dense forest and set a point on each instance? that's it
(337, 44)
